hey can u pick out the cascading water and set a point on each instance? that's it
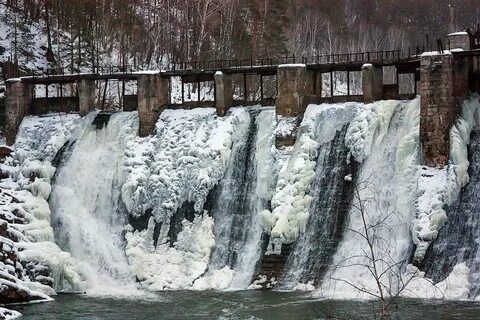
(88, 217)
(458, 240)
(332, 194)
(237, 202)
(378, 183)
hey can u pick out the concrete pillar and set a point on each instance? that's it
(372, 82)
(292, 90)
(443, 87)
(153, 98)
(459, 40)
(318, 84)
(223, 93)
(296, 88)
(18, 99)
(86, 96)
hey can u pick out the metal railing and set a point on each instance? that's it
(385, 56)
(390, 56)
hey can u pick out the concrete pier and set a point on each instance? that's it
(86, 96)
(296, 87)
(372, 82)
(443, 87)
(223, 93)
(153, 98)
(18, 98)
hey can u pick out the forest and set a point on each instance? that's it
(153, 33)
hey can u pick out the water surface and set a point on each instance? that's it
(234, 305)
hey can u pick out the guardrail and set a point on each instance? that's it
(390, 56)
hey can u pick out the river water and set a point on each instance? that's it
(234, 305)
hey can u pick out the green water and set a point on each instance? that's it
(234, 305)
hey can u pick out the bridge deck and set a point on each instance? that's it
(205, 71)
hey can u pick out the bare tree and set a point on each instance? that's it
(377, 257)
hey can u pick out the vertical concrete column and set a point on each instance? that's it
(86, 96)
(372, 83)
(18, 99)
(153, 97)
(459, 40)
(292, 82)
(439, 106)
(223, 93)
(295, 86)
(318, 84)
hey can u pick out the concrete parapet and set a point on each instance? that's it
(18, 99)
(223, 93)
(153, 98)
(86, 96)
(372, 82)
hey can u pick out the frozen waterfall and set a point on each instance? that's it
(332, 192)
(458, 241)
(88, 216)
(381, 139)
(238, 200)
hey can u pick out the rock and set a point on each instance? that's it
(5, 152)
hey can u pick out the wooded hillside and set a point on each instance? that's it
(151, 33)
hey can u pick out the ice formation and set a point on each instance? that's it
(181, 163)
(172, 268)
(9, 314)
(86, 205)
(159, 211)
(291, 200)
(381, 138)
(244, 191)
(439, 187)
(455, 287)
(35, 264)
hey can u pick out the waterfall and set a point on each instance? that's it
(381, 191)
(238, 201)
(458, 240)
(88, 216)
(332, 194)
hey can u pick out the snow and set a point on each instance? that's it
(384, 138)
(439, 187)
(181, 163)
(9, 314)
(40, 138)
(265, 152)
(285, 126)
(291, 200)
(217, 280)
(455, 287)
(24, 196)
(436, 53)
(174, 268)
(147, 72)
(361, 132)
(433, 190)
(460, 33)
(304, 286)
(293, 65)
